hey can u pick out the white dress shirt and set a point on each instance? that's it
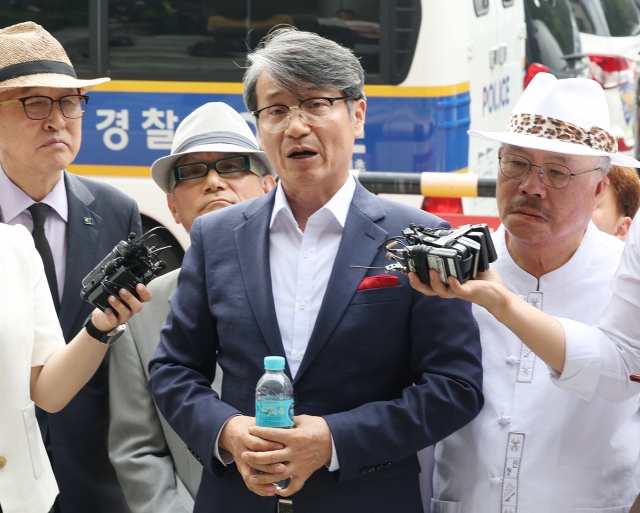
(14, 203)
(535, 448)
(301, 264)
(600, 359)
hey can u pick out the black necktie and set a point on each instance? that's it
(39, 213)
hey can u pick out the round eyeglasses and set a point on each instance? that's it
(313, 111)
(226, 166)
(554, 176)
(72, 106)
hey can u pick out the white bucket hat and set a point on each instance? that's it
(31, 57)
(568, 116)
(213, 127)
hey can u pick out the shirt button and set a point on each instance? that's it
(3, 461)
(505, 419)
(513, 360)
(306, 254)
(496, 480)
(298, 357)
(303, 304)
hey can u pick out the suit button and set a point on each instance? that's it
(3, 461)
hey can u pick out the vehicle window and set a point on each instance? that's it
(481, 7)
(623, 17)
(590, 17)
(188, 39)
(67, 20)
(552, 36)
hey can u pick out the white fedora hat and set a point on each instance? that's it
(568, 116)
(213, 127)
(31, 57)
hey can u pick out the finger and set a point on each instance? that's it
(274, 434)
(274, 468)
(266, 479)
(437, 285)
(143, 292)
(105, 321)
(257, 444)
(468, 290)
(131, 300)
(264, 490)
(266, 458)
(419, 286)
(119, 307)
(455, 286)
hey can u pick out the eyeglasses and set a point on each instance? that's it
(552, 175)
(313, 111)
(225, 166)
(72, 106)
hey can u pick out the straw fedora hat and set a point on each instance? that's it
(31, 57)
(213, 127)
(568, 116)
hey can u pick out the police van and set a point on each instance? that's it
(434, 69)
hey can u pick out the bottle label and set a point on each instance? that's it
(278, 414)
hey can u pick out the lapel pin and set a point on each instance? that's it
(88, 220)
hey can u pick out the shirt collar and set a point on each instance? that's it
(567, 273)
(338, 205)
(14, 201)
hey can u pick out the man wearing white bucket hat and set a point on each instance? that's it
(75, 222)
(545, 441)
(215, 162)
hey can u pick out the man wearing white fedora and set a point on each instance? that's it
(542, 442)
(75, 222)
(215, 162)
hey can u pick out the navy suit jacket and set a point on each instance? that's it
(78, 434)
(367, 350)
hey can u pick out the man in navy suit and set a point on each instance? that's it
(41, 108)
(276, 276)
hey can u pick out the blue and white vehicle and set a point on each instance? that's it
(434, 69)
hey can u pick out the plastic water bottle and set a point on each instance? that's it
(274, 401)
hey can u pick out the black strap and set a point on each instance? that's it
(39, 213)
(36, 68)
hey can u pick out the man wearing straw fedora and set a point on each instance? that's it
(75, 222)
(545, 441)
(215, 162)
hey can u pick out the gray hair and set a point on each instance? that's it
(604, 163)
(289, 56)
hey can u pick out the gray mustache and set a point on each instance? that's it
(531, 205)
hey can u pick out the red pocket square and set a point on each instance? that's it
(378, 282)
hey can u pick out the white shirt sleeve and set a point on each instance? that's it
(335, 464)
(599, 359)
(47, 334)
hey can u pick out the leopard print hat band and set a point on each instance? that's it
(551, 128)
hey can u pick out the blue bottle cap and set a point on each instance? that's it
(274, 362)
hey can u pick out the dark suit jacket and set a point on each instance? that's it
(78, 434)
(366, 351)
